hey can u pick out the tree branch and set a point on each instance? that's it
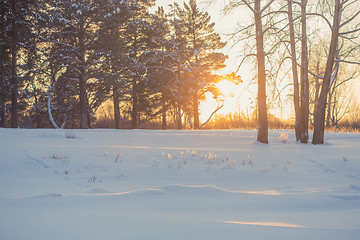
(348, 32)
(350, 19)
(266, 6)
(322, 16)
(249, 6)
(217, 109)
(249, 55)
(345, 61)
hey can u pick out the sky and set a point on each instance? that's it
(243, 96)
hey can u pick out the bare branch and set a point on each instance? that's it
(346, 61)
(350, 19)
(314, 74)
(217, 109)
(249, 55)
(322, 16)
(266, 6)
(348, 32)
(249, 6)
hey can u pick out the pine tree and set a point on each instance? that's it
(16, 19)
(202, 58)
(179, 55)
(75, 29)
(137, 36)
(160, 67)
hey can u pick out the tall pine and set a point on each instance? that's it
(203, 60)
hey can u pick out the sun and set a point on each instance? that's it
(227, 88)
(230, 97)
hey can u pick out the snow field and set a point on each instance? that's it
(143, 184)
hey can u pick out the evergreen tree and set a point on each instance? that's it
(202, 58)
(160, 67)
(179, 55)
(138, 39)
(75, 29)
(16, 21)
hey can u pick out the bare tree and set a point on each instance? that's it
(333, 59)
(304, 77)
(258, 11)
(298, 122)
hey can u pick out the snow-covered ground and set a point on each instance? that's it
(111, 184)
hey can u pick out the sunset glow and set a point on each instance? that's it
(232, 96)
(269, 224)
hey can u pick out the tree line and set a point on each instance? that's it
(318, 56)
(61, 59)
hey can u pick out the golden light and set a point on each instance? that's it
(268, 224)
(227, 88)
(231, 94)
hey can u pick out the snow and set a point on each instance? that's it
(152, 184)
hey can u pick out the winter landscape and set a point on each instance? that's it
(83, 82)
(152, 184)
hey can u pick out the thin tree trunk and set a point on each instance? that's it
(196, 111)
(37, 112)
(212, 114)
(49, 102)
(319, 121)
(317, 87)
(304, 77)
(179, 118)
(164, 109)
(261, 98)
(88, 112)
(298, 121)
(52, 121)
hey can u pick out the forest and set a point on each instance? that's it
(62, 60)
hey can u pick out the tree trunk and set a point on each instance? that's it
(88, 113)
(134, 111)
(82, 78)
(196, 111)
(304, 77)
(3, 105)
(116, 106)
(2, 114)
(83, 102)
(179, 118)
(261, 98)
(298, 121)
(14, 77)
(317, 87)
(14, 88)
(49, 101)
(328, 112)
(319, 118)
(163, 102)
(37, 112)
